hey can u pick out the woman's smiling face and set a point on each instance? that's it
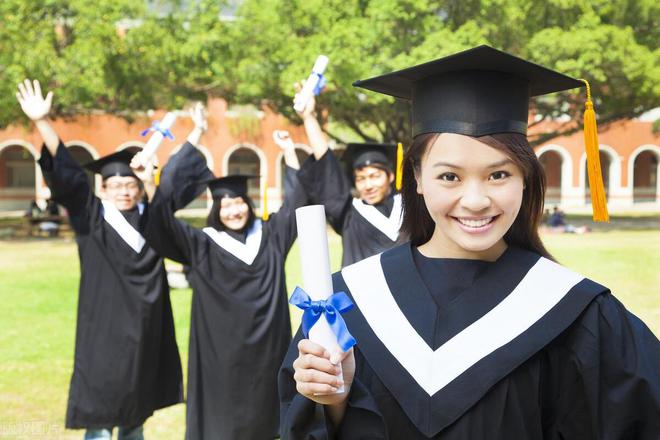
(473, 193)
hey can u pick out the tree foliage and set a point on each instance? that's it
(173, 51)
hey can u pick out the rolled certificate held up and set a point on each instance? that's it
(312, 84)
(160, 129)
(322, 321)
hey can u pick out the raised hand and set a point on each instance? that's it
(143, 167)
(198, 115)
(283, 139)
(34, 105)
(310, 109)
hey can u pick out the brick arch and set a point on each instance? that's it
(40, 191)
(631, 166)
(263, 167)
(614, 183)
(566, 166)
(87, 146)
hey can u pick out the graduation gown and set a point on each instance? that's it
(526, 350)
(240, 325)
(365, 229)
(126, 361)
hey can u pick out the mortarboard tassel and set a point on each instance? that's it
(598, 198)
(264, 202)
(399, 167)
(157, 176)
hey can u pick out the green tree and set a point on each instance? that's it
(610, 43)
(126, 56)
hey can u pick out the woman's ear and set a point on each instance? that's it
(418, 179)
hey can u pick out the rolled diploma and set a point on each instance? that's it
(309, 86)
(315, 264)
(157, 137)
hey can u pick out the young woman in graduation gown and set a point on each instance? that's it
(368, 223)
(126, 362)
(240, 325)
(473, 331)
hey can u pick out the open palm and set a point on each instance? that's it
(198, 115)
(34, 105)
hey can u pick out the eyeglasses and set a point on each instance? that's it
(128, 185)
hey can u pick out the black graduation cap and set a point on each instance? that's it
(115, 164)
(476, 92)
(232, 186)
(360, 155)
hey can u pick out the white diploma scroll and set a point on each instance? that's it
(315, 264)
(308, 88)
(157, 137)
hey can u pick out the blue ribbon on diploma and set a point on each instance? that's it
(155, 126)
(320, 84)
(332, 308)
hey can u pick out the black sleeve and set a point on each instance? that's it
(283, 222)
(69, 186)
(183, 178)
(326, 184)
(611, 385)
(301, 418)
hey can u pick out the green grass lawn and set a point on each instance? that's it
(38, 284)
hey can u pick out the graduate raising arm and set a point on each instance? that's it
(240, 325)
(369, 222)
(37, 108)
(284, 141)
(123, 293)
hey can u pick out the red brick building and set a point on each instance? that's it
(240, 140)
(237, 141)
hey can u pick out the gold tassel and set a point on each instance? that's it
(264, 202)
(598, 197)
(399, 167)
(157, 176)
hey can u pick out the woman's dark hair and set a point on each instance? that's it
(213, 219)
(417, 222)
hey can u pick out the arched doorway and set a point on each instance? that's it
(605, 168)
(244, 160)
(645, 177)
(17, 178)
(82, 156)
(552, 164)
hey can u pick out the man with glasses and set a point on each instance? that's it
(126, 362)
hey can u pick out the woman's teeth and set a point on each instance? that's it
(472, 223)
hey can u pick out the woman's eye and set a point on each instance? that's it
(448, 177)
(498, 175)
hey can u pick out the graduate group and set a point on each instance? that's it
(464, 325)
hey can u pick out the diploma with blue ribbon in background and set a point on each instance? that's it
(322, 307)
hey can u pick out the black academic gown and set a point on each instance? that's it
(126, 362)
(365, 230)
(528, 350)
(240, 325)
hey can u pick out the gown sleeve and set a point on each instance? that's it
(304, 419)
(326, 184)
(283, 222)
(183, 178)
(610, 385)
(69, 186)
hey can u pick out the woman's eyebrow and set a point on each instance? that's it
(501, 163)
(445, 164)
(493, 165)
